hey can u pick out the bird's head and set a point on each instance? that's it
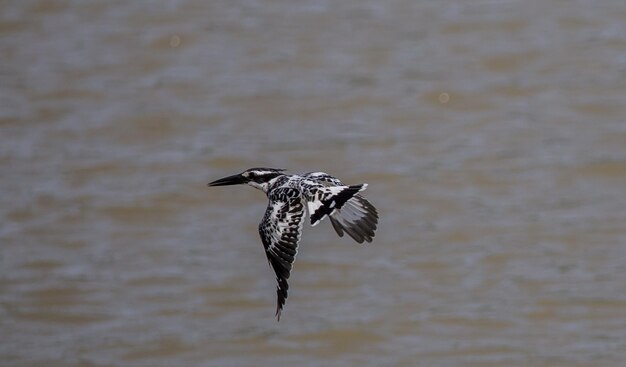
(259, 178)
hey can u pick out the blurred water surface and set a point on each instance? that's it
(492, 134)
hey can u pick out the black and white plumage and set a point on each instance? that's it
(322, 195)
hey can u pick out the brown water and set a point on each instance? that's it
(492, 134)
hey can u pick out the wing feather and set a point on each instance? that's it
(280, 231)
(357, 216)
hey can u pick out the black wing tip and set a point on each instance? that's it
(281, 296)
(279, 310)
(280, 303)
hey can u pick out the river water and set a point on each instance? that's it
(492, 135)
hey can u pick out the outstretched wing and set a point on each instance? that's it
(357, 216)
(324, 201)
(280, 231)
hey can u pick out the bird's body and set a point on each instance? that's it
(322, 195)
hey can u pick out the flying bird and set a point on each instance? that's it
(281, 227)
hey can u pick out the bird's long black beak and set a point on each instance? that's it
(230, 180)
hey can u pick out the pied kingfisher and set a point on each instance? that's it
(281, 227)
